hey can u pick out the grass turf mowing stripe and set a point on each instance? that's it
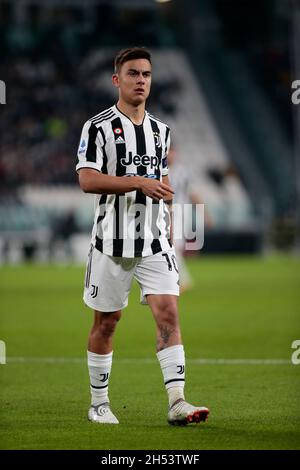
(217, 361)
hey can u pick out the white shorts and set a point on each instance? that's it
(108, 279)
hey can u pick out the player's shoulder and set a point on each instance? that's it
(106, 115)
(159, 121)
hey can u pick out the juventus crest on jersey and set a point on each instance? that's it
(131, 224)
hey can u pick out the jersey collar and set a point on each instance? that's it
(117, 110)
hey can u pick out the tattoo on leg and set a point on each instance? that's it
(164, 336)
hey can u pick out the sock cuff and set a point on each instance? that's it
(169, 352)
(99, 360)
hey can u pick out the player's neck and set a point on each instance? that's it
(135, 113)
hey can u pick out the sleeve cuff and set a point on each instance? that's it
(92, 165)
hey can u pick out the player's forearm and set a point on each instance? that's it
(98, 183)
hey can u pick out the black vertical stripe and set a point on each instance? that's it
(119, 206)
(102, 210)
(155, 245)
(104, 164)
(140, 197)
(103, 198)
(166, 139)
(158, 146)
(91, 152)
(165, 162)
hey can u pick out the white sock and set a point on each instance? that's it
(172, 363)
(99, 370)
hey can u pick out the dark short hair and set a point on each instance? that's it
(130, 53)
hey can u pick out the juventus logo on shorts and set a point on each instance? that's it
(181, 370)
(94, 292)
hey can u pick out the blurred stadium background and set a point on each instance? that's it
(222, 80)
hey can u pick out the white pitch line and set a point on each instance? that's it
(200, 361)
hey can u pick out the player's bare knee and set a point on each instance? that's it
(105, 323)
(167, 314)
(109, 323)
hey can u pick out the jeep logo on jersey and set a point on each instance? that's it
(138, 160)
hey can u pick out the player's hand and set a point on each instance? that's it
(155, 189)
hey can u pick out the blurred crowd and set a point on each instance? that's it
(49, 100)
(262, 31)
(53, 86)
(54, 81)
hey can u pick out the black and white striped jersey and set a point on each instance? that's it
(131, 224)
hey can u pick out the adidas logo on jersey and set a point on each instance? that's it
(120, 140)
(140, 160)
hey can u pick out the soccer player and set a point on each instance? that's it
(122, 158)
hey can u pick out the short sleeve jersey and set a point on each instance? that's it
(131, 224)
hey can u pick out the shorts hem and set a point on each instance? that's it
(104, 309)
(143, 300)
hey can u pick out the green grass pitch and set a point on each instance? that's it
(240, 308)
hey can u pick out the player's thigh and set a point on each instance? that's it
(158, 274)
(107, 282)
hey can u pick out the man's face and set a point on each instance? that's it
(134, 81)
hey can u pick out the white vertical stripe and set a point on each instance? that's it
(108, 225)
(128, 220)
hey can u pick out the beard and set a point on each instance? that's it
(135, 100)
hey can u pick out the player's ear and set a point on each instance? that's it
(115, 80)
